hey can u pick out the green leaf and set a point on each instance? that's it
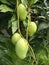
(5, 42)
(7, 49)
(25, 23)
(13, 23)
(41, 57)
(5, 1)
(43, 26)
(5, 8)
(14, 26)
(22, 62)
(47, 48)
(24, 2)
(33, 1)
(9, 2)
(6, 61)
(12, 1)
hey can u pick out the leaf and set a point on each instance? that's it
(5, 42)
(6, 61)
(12, 2)
(24, 2)
(43, 26)
(41, 57)
(5, 8)
(22, 62)
(25, 23)
(13, 23)
(42, 17)
(47, 48)
(5, 1)
(14, 26)
(3, 38)
(9, 2)
(33, 1)
(7, 49)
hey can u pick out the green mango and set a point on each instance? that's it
(22, 12)
(15, 38)
(32, 27)
(21, 48)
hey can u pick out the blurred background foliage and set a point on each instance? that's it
(39, 10)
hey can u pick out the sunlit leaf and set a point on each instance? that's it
(4, 8)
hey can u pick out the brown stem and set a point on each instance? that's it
(31, 50)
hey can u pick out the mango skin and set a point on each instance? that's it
(32, 28)
(21, 48)
(15, 38)
(22, 12)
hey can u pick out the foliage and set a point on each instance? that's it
(39, 42)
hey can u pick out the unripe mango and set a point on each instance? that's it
(22, 12)
(21, 48)
(15, 38)
(32, 27)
